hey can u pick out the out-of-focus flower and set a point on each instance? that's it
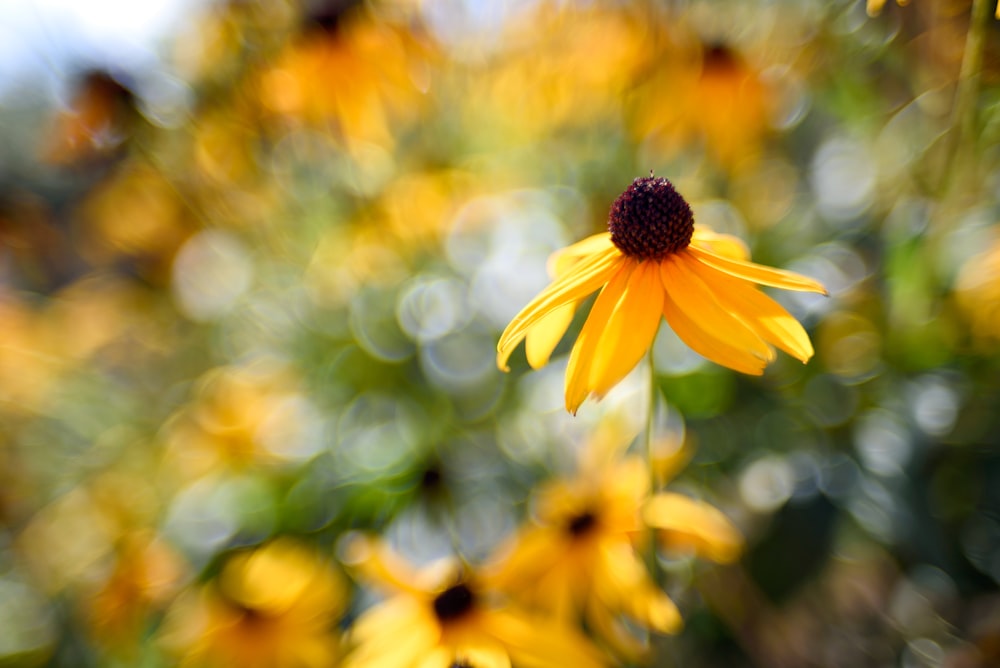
(146, 572)
(97, 121)
(35, 350)
(718, 99)
(653, 264)
(348, 71)
(563, 64)
(977, 291)
(229, 423)
(272, 607)
(580, 554)
(444, 616)
(136, 213)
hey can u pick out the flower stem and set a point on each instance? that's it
(963, 113)
(654, 395)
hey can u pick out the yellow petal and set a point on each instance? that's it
(629, 332)
(439, 657)
(483, 655)
(697, 301)
(530, 552)
(758, 273)
(874, 7)
(561, 261)
(723, 244)
(373, 560)
(587, 276)
(581, 358)
(766, 317)
(705, 344)
(610, 438)
(693, 525)
(538, 643)
(394, 615)
(623, 580)
(408, 643)
(543, 337)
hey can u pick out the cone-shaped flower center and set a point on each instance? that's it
(453, 602)
(581, 524)
(650, 220)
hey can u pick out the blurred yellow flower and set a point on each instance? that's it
(232, 423)
(712, 96)
(581, 555)
(273, 607)
(563, 65)
(146, 572)
(349, 71)
(651, 264)
(444, 617)
(977, 291)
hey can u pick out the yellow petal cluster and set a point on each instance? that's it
(707, 292)
(581, 556)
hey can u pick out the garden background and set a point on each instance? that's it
(254, 265)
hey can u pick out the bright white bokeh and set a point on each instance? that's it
(42, 41)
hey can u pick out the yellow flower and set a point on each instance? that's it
(350, 71)
(977, 291)
(270, 608)
(874, 7)
(689, 100)
(653, 263)
(445, 617)
(581, 554)
(146, 571)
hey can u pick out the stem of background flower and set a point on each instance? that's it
(654, 395)
(655, 571)
(963, 112)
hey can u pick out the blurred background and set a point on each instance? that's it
(255, 258)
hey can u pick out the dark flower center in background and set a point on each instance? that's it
(579, 525)
(453, 602)
(718, 57)
(650, 220)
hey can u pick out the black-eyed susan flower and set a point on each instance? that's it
(708, 96)
(653, 263)
(580, 555)
(274, 607)
(444, 616)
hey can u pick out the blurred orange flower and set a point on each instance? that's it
(145, 574)
(352, 72)
(654, 264)
(977, 291)
(272, 607)
(445, 616)
(715, 97)
(228, 424)
(580, 555)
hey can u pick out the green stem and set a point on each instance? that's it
(654, 395)
(963, 113)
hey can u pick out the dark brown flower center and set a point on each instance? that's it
(650, 220)
(453, 602)
(581, 524)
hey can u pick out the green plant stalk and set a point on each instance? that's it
(963, 116)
